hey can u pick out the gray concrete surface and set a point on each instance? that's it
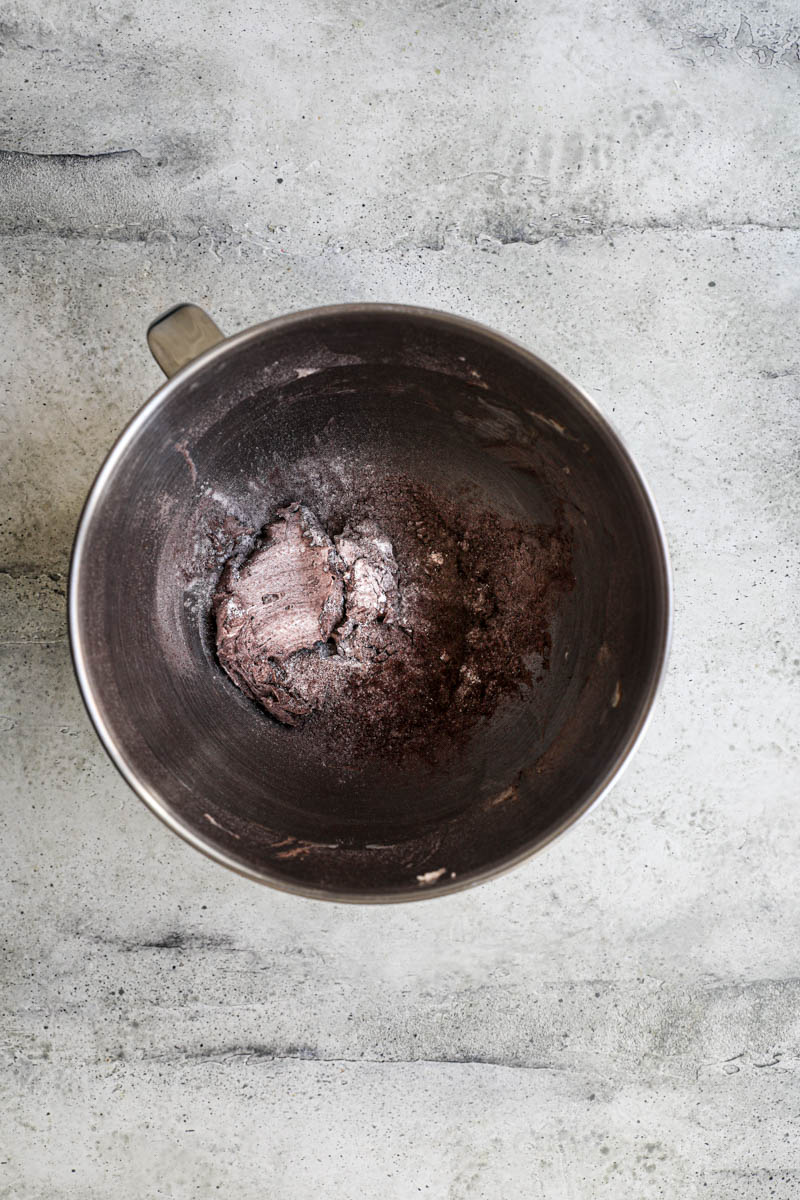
(616, 184)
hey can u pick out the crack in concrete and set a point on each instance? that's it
(64, 159)
(305, 1054)
(534, 237)
(231, 238)
(172, 940)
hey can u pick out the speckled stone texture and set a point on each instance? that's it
(616, 185)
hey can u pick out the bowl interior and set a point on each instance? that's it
(316, 408)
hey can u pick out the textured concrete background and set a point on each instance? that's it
(615, 183)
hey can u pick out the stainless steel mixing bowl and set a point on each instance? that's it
(454, 404)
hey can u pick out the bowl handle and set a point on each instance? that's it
(181, 334)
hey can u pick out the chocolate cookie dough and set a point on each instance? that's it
(303, 609)
(403, 623)
(287, 597)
